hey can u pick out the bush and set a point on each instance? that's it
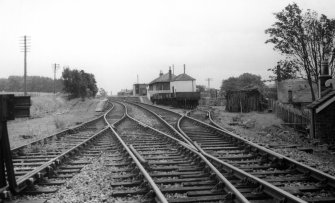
(59, 123)
(79, 84)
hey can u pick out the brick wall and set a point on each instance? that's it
(325, 124)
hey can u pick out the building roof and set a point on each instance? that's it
(183, 77)
(163, 78)
(323, 102)
(301, 91)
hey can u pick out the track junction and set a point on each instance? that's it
(156, 155)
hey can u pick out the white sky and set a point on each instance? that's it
(116, 40)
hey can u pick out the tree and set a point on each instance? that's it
(200, 88)
(229, 84)
(246, 80)
(34, 84)
(79, 83)
(304, 38)
(285, 69)
(102, 92)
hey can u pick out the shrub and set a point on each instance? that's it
(59, 123)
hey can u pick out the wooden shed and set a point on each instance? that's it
(322, 117)
(245, 100)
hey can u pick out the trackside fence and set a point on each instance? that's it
(293, 117)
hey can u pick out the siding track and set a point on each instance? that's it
(43, 166)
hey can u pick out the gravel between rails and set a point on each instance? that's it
(142, 115)
(146, 118)
(92, 184)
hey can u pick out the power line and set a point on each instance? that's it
(26, 46)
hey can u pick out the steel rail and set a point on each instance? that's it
(244, 140)
(165, 123)
(163, 108)
(46, 167)
(217, 172)
(138, 155)
(315, 173)
(153, 185)
(227, 185)
(318, 175)
(53, 161)
(180, 115)
(176, 113)
(120, 120)
(267, 187)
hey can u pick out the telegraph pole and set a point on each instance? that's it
(55, 67)
(25, 47)
(209, 82)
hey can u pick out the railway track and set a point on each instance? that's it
(157, 121)
(40, 158)
(84, 152)
(298, 179)
(181, 173)
(244, 182)
(220, 145)
(42, 167)
(200, 163)
(116, 113)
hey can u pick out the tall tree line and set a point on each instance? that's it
(34, 84)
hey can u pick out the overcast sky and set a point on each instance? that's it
(116, 40)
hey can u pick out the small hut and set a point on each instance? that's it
(245, 100)
(323, 109)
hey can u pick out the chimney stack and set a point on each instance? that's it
(170, 74)
(160, 73)
(290, 96)
(278, 72)
(324, 76)
(184, 68)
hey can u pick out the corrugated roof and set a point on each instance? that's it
(183, 77)
(163, 78)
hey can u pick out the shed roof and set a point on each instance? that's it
(323, 102)
(183, 77)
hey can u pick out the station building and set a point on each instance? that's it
(170, 83)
